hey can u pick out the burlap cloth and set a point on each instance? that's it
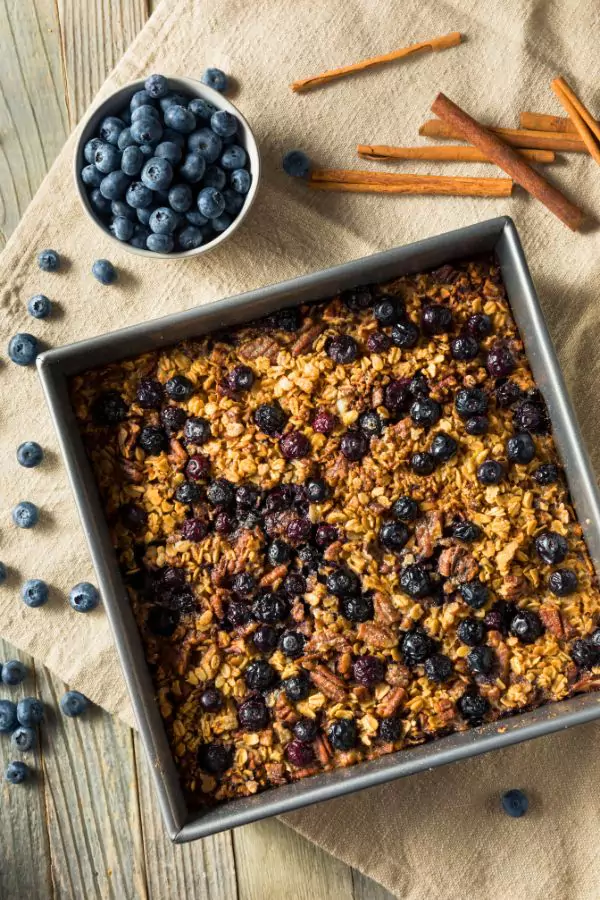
(438, 834)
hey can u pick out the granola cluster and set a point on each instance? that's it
(344, 530)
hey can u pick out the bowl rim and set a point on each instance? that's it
(194, 85)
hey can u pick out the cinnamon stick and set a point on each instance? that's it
(504, 156)
(543, 122)
(392, 183)
(453, 153)
(437, 44)
(586, 125)
(516, 137)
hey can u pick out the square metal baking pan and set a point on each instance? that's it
(497, 236)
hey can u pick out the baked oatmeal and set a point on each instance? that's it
(344, 530)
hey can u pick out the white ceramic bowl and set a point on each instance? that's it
(120, 99)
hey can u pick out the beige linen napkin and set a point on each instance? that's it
(439, 834)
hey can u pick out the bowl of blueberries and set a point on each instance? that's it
(168, 167)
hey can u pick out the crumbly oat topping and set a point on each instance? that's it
(298, 611)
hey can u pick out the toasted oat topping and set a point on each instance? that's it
(305, 509)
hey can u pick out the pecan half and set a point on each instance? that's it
(550, 616)
(428, 530)
(263, 345)
(385, 611)
(306, 340)
(397, 675)
(275, 773)
(328, 683)
(322, 750)
(177, 454)
(376, 636)
(392, 702)
(458, 563)
(324, 641)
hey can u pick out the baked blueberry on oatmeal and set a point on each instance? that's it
(344, 530)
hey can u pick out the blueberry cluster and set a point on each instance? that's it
(169, 172)
(21, 720)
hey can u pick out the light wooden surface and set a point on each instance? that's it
(88, 827)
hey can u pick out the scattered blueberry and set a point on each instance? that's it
(551, 547)
(23, 349)
(466, 531)
(25, 514)
(546, 474)
(520, 448)
(405, 509)
(473, 707)
(3, 573)
(515, 803)
(84, 597)
(438, 667)
(297, 164)
(471, 631)
(464, 347)
(443, 447)
(13, 672)
(436, 319)
(215, 79)
(563, 582)
(471, 402)
(354, 445)
(479, 325)
(475, 593)
(30, 712)
(390, 729)
(29, 454)
(39, 306)
(73, 703)
(35, 593)
(393, 536)
(17, 772)
(8, 716)
(405, 334)
(422, 463)
(480, 660)
(526, 625)
(342, 734)
(490, 472)
(104, 271)
(23, 739)
(477, 425)
(49, 260)
(414, 581)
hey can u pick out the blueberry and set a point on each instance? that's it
(477, 425)
(99, 203)
(156, 86)
(30, 712)
(370, 423)
(194, 529)
(206, 143)
(131, 163)
(108, 408)
(234, 157)
(464, 347)
(25, 514)
(563, 582)
(147, 150)
(471, 631)
(138, 195)
(425, 412)
(436, 319)
(84, 597)
(270, 418)
(13, 672)
(316, 490)
(90, 149)
(405, 334)
(73, 703)
(342, 734)
(475, 593)
(520, 448)
(104, 271)
(122, 228)
(195, 219)
(405, 509)
(121, 208)
(157, 174)
(297, 687)
(190, 238)
(211, 202)
(368, 670)
(342, 583)
(160, 243)
(179, 388)
(414, 581)
(23, 739)
(145, 130)
(291, 644)
(172, 99)
(201, 108)
(253, 714)
(500, 361)
(507, 393)
(29, 454)
(443, 447)
(546, 474)
(17, 772)
(220, 492)
(180, 119)
(473, 707)
(225, 125)
(480, 660)
(221, 223)
(140, 98)
(91, 176)
(393, 536)
(8, 716)
(140, 237)
(214, 758)
(438, 668)
(354, 445)
(418, 385)
(471, 402)
(214, 177)
(526, 625)
(23, 349)
(390, 729)
(107, 158)
(306, 730)
(215, 79)
(515, 803)
(531, 416)
(551, 547)
(279, 552)
(34, 593)
(211, 700)
(490, 472)
(163, 220)
(125, 140)
(197, 430)
(386, 311)
(188, 492)
(193, 168)
(479, 325)
(180, 197)
(3, 574)
(110, 129)
(152, 440)
(296, 163)
(259, 675)
(466, 531)
(422, 463)
(240, 181)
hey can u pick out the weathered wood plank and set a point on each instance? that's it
(203, 870)
(272, 861)
(94, 36)
(93, 817)
(367, 889)
(33, 113)
(22, 813)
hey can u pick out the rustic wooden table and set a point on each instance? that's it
(88, 826)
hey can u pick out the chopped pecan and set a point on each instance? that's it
(298, 613)
(385, 611)
(458, 563)
(333, 551)
(133, 471)
(322, 750)
(428, 530)
(273, 576)
(275, 773)
(328, 683)
(177, 454)
(514, 586)
(217, 605)
(304, 773)
(344, 663)
(324, 641)
(397, 675)
(550, 616)
(218, 576)
(306, 340)
(262, 345)
(361, 693)
(337, 469)
(376, 636)
(284, 710)
(392, 702)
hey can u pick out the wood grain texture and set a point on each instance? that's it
(274, 862)
(93, 817)
(22, 813)
(94, 36)
(203, 870)
(33, 114)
